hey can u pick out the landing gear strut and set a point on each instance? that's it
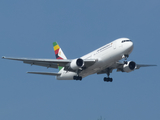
(108, 79)
(77, 77)
(125, 56)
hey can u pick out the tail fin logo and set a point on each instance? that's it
(59, 53)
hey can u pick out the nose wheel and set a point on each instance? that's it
(125, 56)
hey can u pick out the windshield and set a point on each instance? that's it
(126, 41)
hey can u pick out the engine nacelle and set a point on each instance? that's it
(130, 66)
(76, 64)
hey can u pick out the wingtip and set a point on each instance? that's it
(3, 57)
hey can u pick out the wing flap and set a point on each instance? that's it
(46, 73)
(48, 65)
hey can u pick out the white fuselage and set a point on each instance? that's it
(105, 56)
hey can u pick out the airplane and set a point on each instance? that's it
(101, 61)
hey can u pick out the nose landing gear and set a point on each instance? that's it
(125, 56)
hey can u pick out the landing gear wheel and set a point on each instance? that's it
(80, 78)
(111, 79)
(125, 56)
(108, 79)
(74, 77)
(105, 79)
(77, 78)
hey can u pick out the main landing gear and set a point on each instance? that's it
(77, 78)
(108, 79)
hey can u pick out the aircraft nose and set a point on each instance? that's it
(130, 46)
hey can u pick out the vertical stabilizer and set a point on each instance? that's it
(59, 53)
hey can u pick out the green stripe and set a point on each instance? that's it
(55, 43)
(59, 67)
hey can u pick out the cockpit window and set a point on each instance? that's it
(126, 41)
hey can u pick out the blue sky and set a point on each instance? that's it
(28, 29)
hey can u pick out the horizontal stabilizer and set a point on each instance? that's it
(45, 73)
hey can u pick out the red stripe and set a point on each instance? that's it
(56, 51)
(59, 58)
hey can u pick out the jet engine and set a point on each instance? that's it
(130, 66)
(76, 64)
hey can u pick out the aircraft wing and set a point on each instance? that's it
(51, 63)
(142, 65)
(119, 67)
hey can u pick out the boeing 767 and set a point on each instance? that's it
(101, 61)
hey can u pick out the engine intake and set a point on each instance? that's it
(76, 64)
(79, 62)
(130, 66)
